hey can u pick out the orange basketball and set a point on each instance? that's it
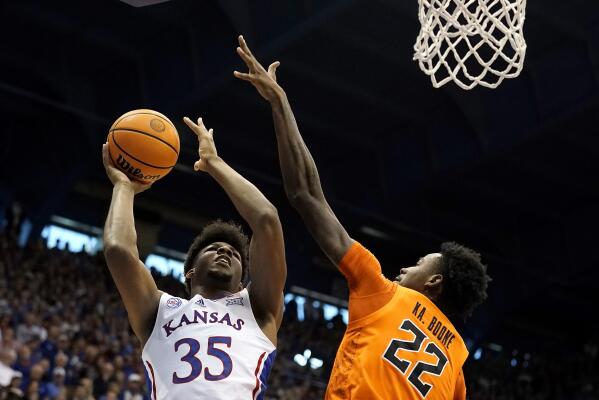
(144, 144)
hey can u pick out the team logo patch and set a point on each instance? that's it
(174, 302)
(237, 301)
(200, 302)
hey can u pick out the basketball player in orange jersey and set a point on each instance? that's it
(219, 343)
(400, 342)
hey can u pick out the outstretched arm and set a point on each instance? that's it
(133, 281)
(268, 270)
(300, 176)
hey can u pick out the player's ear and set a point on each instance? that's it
(188, 276)
(434, 285)
(190, 273)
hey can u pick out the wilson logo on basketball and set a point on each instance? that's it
(124, 165)
(157, 125)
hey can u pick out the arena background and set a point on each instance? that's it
(511, 172)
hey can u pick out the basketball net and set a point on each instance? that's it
(471, 42)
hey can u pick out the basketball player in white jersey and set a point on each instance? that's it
(220, 343)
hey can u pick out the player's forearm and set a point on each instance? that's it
(300, 176)
(119, 230)
(253, 206)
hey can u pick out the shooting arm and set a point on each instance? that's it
(268, 270)
(133, 281)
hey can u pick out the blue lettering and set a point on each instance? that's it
(183, 319)
(213, 317)
(199, 316)
(238, 324)
(226, 318)
(168, 329)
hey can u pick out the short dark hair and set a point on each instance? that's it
(465, 280)
(220, 231)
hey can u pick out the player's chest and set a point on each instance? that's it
(205, 317)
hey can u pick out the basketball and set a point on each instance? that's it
(144, 144)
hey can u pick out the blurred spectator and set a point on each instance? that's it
(56, 386)
(8, 339)
(14, 220)
(29, 330)
(14, 390)
(23, 364)
(134, 390)
(103, 380)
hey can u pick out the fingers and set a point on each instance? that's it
(247, 59)
(242, 76)
(244, 46)
(272, 69)
(190, 124)
(203, 130)
(199, 129)
(141, 187)
(201, 124)
(106, 156)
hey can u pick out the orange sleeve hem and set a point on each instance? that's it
(365, 279)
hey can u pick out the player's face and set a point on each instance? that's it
(416, 276)
(219, 263)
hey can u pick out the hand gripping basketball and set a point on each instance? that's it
(117, 176)
(207, 148)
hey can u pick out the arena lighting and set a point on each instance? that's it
(143, 3)
(478, 354)
(166, 266)
(61, 237)
(300, 360)
(376, 233)
(316, 363)
(495, 347)
(304, 359)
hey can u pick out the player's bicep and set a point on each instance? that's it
(324, 227)
(268, 269)
(137, 288)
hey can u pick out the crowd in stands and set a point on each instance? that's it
(64, 335)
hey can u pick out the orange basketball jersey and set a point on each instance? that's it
(398, 344)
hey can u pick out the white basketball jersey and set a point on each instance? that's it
(207, 349)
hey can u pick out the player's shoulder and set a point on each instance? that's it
(357, 253)
(172, 302)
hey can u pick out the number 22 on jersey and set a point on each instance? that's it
(396, 347)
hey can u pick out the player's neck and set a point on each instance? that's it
(211, 292)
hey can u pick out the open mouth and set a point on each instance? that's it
(223, 260)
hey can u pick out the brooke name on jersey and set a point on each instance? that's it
(203, 317)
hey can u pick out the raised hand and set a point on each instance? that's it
(117, 176)
(264, 81)
(207, 148)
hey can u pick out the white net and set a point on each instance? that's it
(471, 42)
